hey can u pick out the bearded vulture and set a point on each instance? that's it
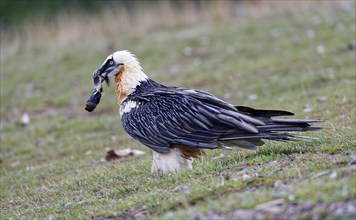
(177, 123)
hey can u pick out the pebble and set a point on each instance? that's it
(333, 174)
(307, 108)
(320, 49)
(344, 99)
(291, 197)
(181, 189)
(221, 156)
(25, 119)
(15, 164)
(267, 205)
(245, 176)
(352, 160)
(252, 97)
(321, 99)
(349, 152)
(89, 152)
(278, 184)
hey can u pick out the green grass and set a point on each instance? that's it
(46, 169)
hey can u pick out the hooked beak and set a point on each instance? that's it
(95, 97)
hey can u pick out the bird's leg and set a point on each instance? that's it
(172, 161)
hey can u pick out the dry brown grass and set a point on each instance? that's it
(112, 23)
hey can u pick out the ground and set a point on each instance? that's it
(298, 57)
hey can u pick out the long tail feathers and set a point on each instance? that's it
(274, 129)
(262, 112)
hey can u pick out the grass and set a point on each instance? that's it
(51, 168)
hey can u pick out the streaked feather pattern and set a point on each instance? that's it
(173, 116)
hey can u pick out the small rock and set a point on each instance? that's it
(321, 174)
(307, 108)
(245, 176)
(50, 217)
(320, 49)
(221, 156)
(352, 160)
(278, 184)
(114, 138)
(89, 152)
(103, 160)
(267, 205)
(321, 99)
(333, 174)
(181, 189)
(252, 97)
(273, 163)
(141, 214)
(344, 99)
(291, 197)
(25, 119)
(15, 164)
(349, 152)
(28, 168)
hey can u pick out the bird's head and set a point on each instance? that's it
(127, 71)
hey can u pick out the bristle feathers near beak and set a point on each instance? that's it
(107, 80)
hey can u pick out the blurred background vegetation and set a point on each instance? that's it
(15, 12)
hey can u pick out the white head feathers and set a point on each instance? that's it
(127, 58)
(132, 73)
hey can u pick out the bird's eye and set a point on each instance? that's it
(111, 62)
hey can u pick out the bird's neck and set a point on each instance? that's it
(127, 80)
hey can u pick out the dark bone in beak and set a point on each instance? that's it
(93, 101)
(95, 97)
